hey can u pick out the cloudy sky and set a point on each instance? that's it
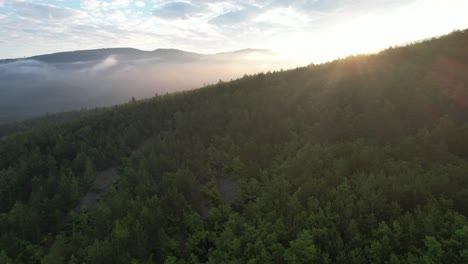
(311, 30)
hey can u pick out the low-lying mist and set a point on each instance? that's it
(32, 87)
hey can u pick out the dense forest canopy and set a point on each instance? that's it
(359, 160)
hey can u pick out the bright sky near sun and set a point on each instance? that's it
(307, 30)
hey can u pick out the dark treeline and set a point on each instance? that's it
(7, 129)
(360, 160)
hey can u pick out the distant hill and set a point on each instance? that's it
(134, 54)
(88, 55)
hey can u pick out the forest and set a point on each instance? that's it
(359, 160)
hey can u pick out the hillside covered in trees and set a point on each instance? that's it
(359, 160)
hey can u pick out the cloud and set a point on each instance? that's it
(236, 16)
(309, 5)
(44, 11)
(139, 3)
(121, 3)
(92, 5)
(106, 64)
(29, 69)
(97, 5)
(176, 10)
(117, 15)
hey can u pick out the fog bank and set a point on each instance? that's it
(33, 87)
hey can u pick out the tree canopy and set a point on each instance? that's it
(359, 160)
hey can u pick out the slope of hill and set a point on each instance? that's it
(360, 160)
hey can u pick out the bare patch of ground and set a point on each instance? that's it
(203, 208)
(104, 179)
(227, 188)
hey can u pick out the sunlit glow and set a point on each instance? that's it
(370, 32)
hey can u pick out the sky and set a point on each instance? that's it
(308, 30)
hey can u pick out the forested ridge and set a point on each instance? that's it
(359, 160)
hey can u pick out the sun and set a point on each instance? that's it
(364, 33)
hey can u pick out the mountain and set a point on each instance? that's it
(176, 55)
(358, 160)
(88, 55)
(244, 53)
(134, 54)
(123, 53)
(82, 55)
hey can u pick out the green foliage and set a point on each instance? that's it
(301, 250)
(360, 160)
